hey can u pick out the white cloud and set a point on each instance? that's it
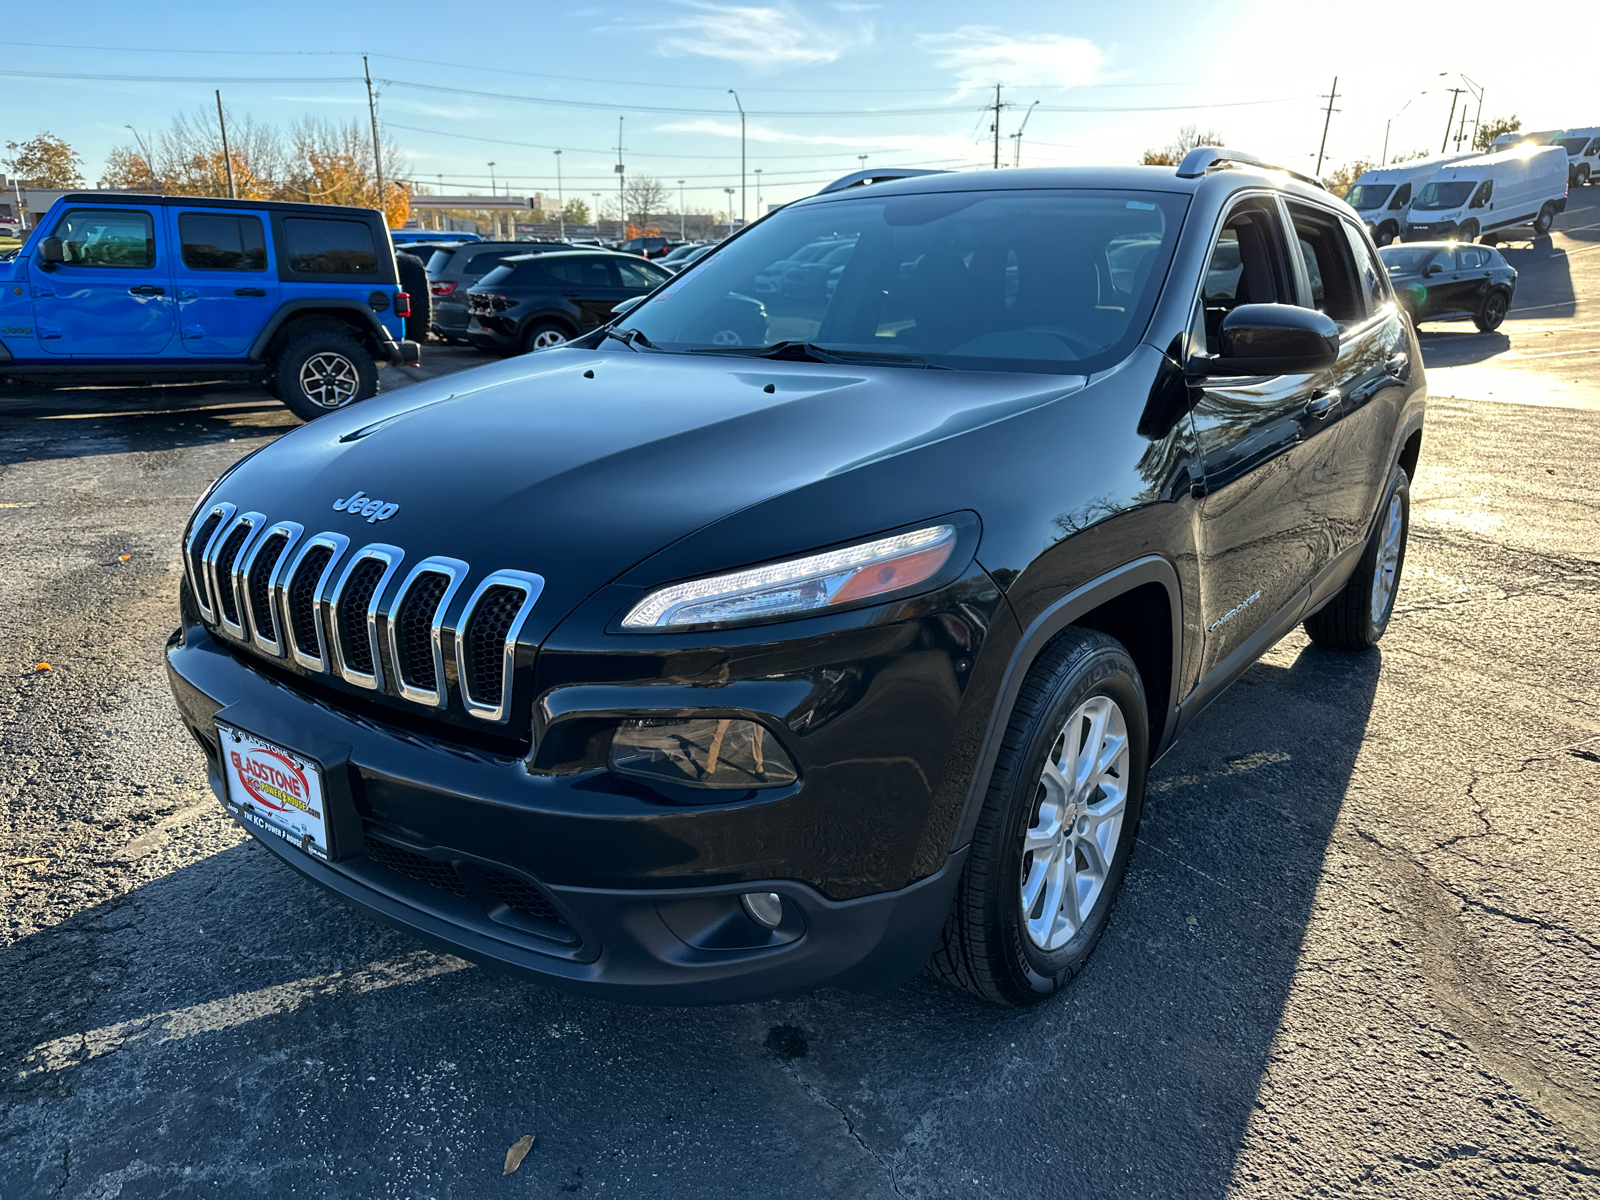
(981, 56)
(761, 38)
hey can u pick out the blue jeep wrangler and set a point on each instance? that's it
(304, 298)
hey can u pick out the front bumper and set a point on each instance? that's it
(1438, 231)
(553, 877)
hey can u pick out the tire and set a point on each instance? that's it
(1488, 317)
(992, 946)
(1468, 231)
(322, 372)
(545, 335)
(1545, 219)
(1388, 234)
(1359, 614)
(1583, 176)
(414, 283)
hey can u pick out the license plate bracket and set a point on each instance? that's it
(287, 785)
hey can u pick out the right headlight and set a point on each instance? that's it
(812, 583)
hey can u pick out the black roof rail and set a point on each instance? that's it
(1204, 158)
(877, 175)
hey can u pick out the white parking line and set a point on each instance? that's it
(1551, 354)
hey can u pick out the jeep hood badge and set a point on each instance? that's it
(363, 506)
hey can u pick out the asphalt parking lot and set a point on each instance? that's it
(1358, 953)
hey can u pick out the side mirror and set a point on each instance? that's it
(51, 254)
(1272, 339)
(626, 306)
(1432, 269)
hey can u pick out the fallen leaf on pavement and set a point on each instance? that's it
(24, 862)
(41, 666)
(518, 1152)
(124, 557)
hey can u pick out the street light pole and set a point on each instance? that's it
(622, 213)
(1385, 160)
(862, 159)
(1017, 158)
(149, 168)
(743, 215)
(682, 219)
(561, 204)
(758, 193)
(730, 192)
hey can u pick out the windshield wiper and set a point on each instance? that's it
(631, 338)
(799, 351)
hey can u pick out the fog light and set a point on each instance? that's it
(701, 752)
(764, 908)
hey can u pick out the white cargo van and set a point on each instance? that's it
(1526, 185)
(1583, 153)
(1382, 195)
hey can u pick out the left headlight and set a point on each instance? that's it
(817, 581)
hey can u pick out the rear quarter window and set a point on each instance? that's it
(329, 246)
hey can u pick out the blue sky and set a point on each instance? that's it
(823, 83)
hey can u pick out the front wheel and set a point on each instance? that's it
(319, 373)
(1388, 234)
(1488, 317)
(1468, 232)
(1583, 176)
(1545, 219)
(1053, 839)
(1359, 614)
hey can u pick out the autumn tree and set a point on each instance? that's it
(1486, 133)
(45, 161)
(576, 212)
(1339, 181)
(1189, 136)
(331, 163)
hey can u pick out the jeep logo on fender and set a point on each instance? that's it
(363, 506)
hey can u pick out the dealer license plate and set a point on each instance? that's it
(275, 790)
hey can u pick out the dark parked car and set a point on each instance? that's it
(533, 302)
(454, 269)
(648, 247)
(1447, 279)
(678, 672)
(685, 255)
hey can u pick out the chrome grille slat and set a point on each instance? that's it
(221, 556)
(202, 534)
(255, 578)
(352, 614)
(299, 595)
(416, 622)
(477, 646)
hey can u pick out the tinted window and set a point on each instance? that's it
(639, 274)
(1247, 266)
(222, 242)
(1436, 197)
(1573, 145)
(329, 246)
(1402, 197)
(439, 260)
(581, 271)
(478, 264)
(1471, 258)
(1407, 260)
(1369, 195)
(1028, 280)
(1326, 253)
(1370, 278)
(98, 237)
(1484, 194)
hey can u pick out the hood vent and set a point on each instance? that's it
(305, 599)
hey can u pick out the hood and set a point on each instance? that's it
(578, 464)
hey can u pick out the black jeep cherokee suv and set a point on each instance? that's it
(670, 669)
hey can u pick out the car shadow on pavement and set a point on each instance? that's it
(277, 1038)
(1456, 345)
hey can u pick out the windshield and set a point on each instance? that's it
(1438, 196)
(1368, 195)
(1407, 260)
(1573, 145)
(1041, 280)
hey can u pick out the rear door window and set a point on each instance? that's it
(107, 237)
(1330, 268)
(639, 275)
(581, 271)
(222, 242)
(329, 246)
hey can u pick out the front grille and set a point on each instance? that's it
(431, 871)
(303, 601)
(197, 562)
(263, 584)
(415, 630)
(227, 601)
(486, 642)
(258, 585)
(354, 643)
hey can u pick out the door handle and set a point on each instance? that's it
(1397, 363)
(1322, 402)
(147, 289)
(249, 291)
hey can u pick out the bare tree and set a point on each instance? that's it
(643, 196)
(1189, 136)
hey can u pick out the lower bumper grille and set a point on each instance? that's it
(492, 890)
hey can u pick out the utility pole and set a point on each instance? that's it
(683, 221)
(377, 152)
(1455, 94)
(758, 193)
(1462, 131)
(561, 204)
(744, 216)
(996, 127)
(1016, 160)
(1333, 94)
(227, 159)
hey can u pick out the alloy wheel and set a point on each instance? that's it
(329, 380)
(1071, 842)
(1388, 566)
(546, 338)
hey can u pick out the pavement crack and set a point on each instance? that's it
(850, 1126)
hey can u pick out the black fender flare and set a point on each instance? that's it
(388, 348)
(1152, 568)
